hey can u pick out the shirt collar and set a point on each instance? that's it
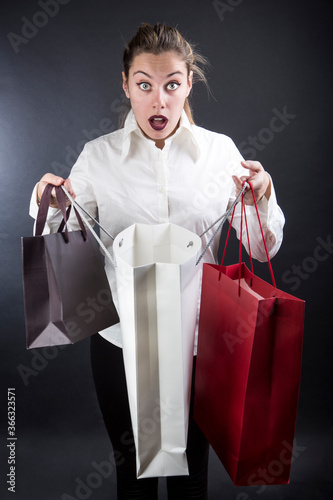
(130, 126)
(185, 131)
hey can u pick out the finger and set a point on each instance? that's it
(245, 178)
(237, 182)
(240, 181)
(254, 166)
(52, 179)
(49, 178)
(68, 186)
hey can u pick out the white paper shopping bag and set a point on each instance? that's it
(158, 291)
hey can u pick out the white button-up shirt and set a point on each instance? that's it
(123, 178)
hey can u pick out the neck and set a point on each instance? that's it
(160, 143)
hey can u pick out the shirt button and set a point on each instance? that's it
(161, 189)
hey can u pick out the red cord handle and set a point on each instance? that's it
(243, 214)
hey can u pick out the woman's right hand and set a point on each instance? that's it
(56, 181)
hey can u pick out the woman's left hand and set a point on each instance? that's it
(259, 179)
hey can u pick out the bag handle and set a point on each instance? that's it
(43, 210)
(99, 241)
(223, 218)
(263, 237)
(62, 201)
(44, 207)
(243, 215)
(75, 203)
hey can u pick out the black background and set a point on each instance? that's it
(62, 88)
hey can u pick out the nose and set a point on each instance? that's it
(159, 99)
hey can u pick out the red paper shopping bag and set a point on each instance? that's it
(248, 373)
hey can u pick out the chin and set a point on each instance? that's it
(156, 136)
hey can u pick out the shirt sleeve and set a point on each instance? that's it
(271, 217)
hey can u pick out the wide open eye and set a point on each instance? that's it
(144, 85)
(173, 85)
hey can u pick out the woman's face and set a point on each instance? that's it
(157, 87)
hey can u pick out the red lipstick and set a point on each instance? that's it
(158, 122)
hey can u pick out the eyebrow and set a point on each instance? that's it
(168, 76)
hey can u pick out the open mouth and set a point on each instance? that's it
(158, 122)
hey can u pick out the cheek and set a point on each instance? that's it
(179, 102)
(140, 110)
(137, 99)
(138, 106)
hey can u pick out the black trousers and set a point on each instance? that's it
(109, 377)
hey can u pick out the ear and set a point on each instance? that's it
(125, 88)
(190, 82)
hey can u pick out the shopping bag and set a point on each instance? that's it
(158, 288)
(67, 296)
(248, 373)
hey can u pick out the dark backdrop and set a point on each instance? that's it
(61, 86)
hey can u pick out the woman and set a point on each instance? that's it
(159, 168)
